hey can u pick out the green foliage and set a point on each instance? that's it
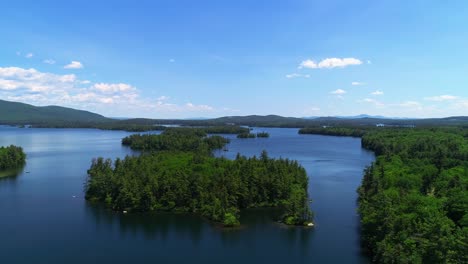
(176, 139)
(216, 188)
(11, 157)
(230, 220)
(413, 201)
(263, 135)
(334, 131)
(246, 135)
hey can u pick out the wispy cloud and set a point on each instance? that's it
(372, 101)
(29, 55)
(330, 63)
(172, 60)
(357, 83)
(445, 97)
(297, 75)
(377, 92)
(74, 65)
(338, 92)
(48, 61)
(163, 98)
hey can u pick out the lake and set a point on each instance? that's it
(45, 219)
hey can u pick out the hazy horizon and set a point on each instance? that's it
(211, 59)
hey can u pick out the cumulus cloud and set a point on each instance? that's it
(330, 63)
(377, 92)
(338, 92)
(297, 75)
(74, 65)
(445, 97)
(42, 88)
(13, 78)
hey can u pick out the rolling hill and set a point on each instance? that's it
(20, 113)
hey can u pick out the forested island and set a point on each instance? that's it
(246, 135)
(11, 157)
(177, 172)
(263, 135)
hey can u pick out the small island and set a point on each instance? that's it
(246, 135)
(178, 173)
(263, 135)
(11, 157)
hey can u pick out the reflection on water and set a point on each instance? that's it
(10, 175)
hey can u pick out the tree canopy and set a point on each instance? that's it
(413, 201)
(11, 157)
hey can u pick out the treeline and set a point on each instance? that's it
(246, 135)
(413, 201)
(133, 126)
(11, 157)
(335, 131)
(252, 135)
(216, 188)
(176, 139)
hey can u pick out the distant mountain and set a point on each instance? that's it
(20, 113)
(360, 116)
(12, 113)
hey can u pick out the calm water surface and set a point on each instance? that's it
(45, 219)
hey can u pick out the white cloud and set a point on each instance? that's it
(297, 75)
(198, 108)
(308, 64)
(330, 63)
(163, 98)
(29, 55)
(113, 87)
(373, 101)
(49, 61)
(378, 92)
(13, 78)
(412, 104)
(440, 98)
(357, 83)
(74, 65)
(338, 92)
(113, 99)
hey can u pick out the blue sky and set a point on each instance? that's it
(182, 59)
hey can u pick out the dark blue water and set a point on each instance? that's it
(45, 219)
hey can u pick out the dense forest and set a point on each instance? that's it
(246, 135)
(178, 172)
(11, 157)
(413, 200)
(335, 131)
(263, 135)
(176, 139)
